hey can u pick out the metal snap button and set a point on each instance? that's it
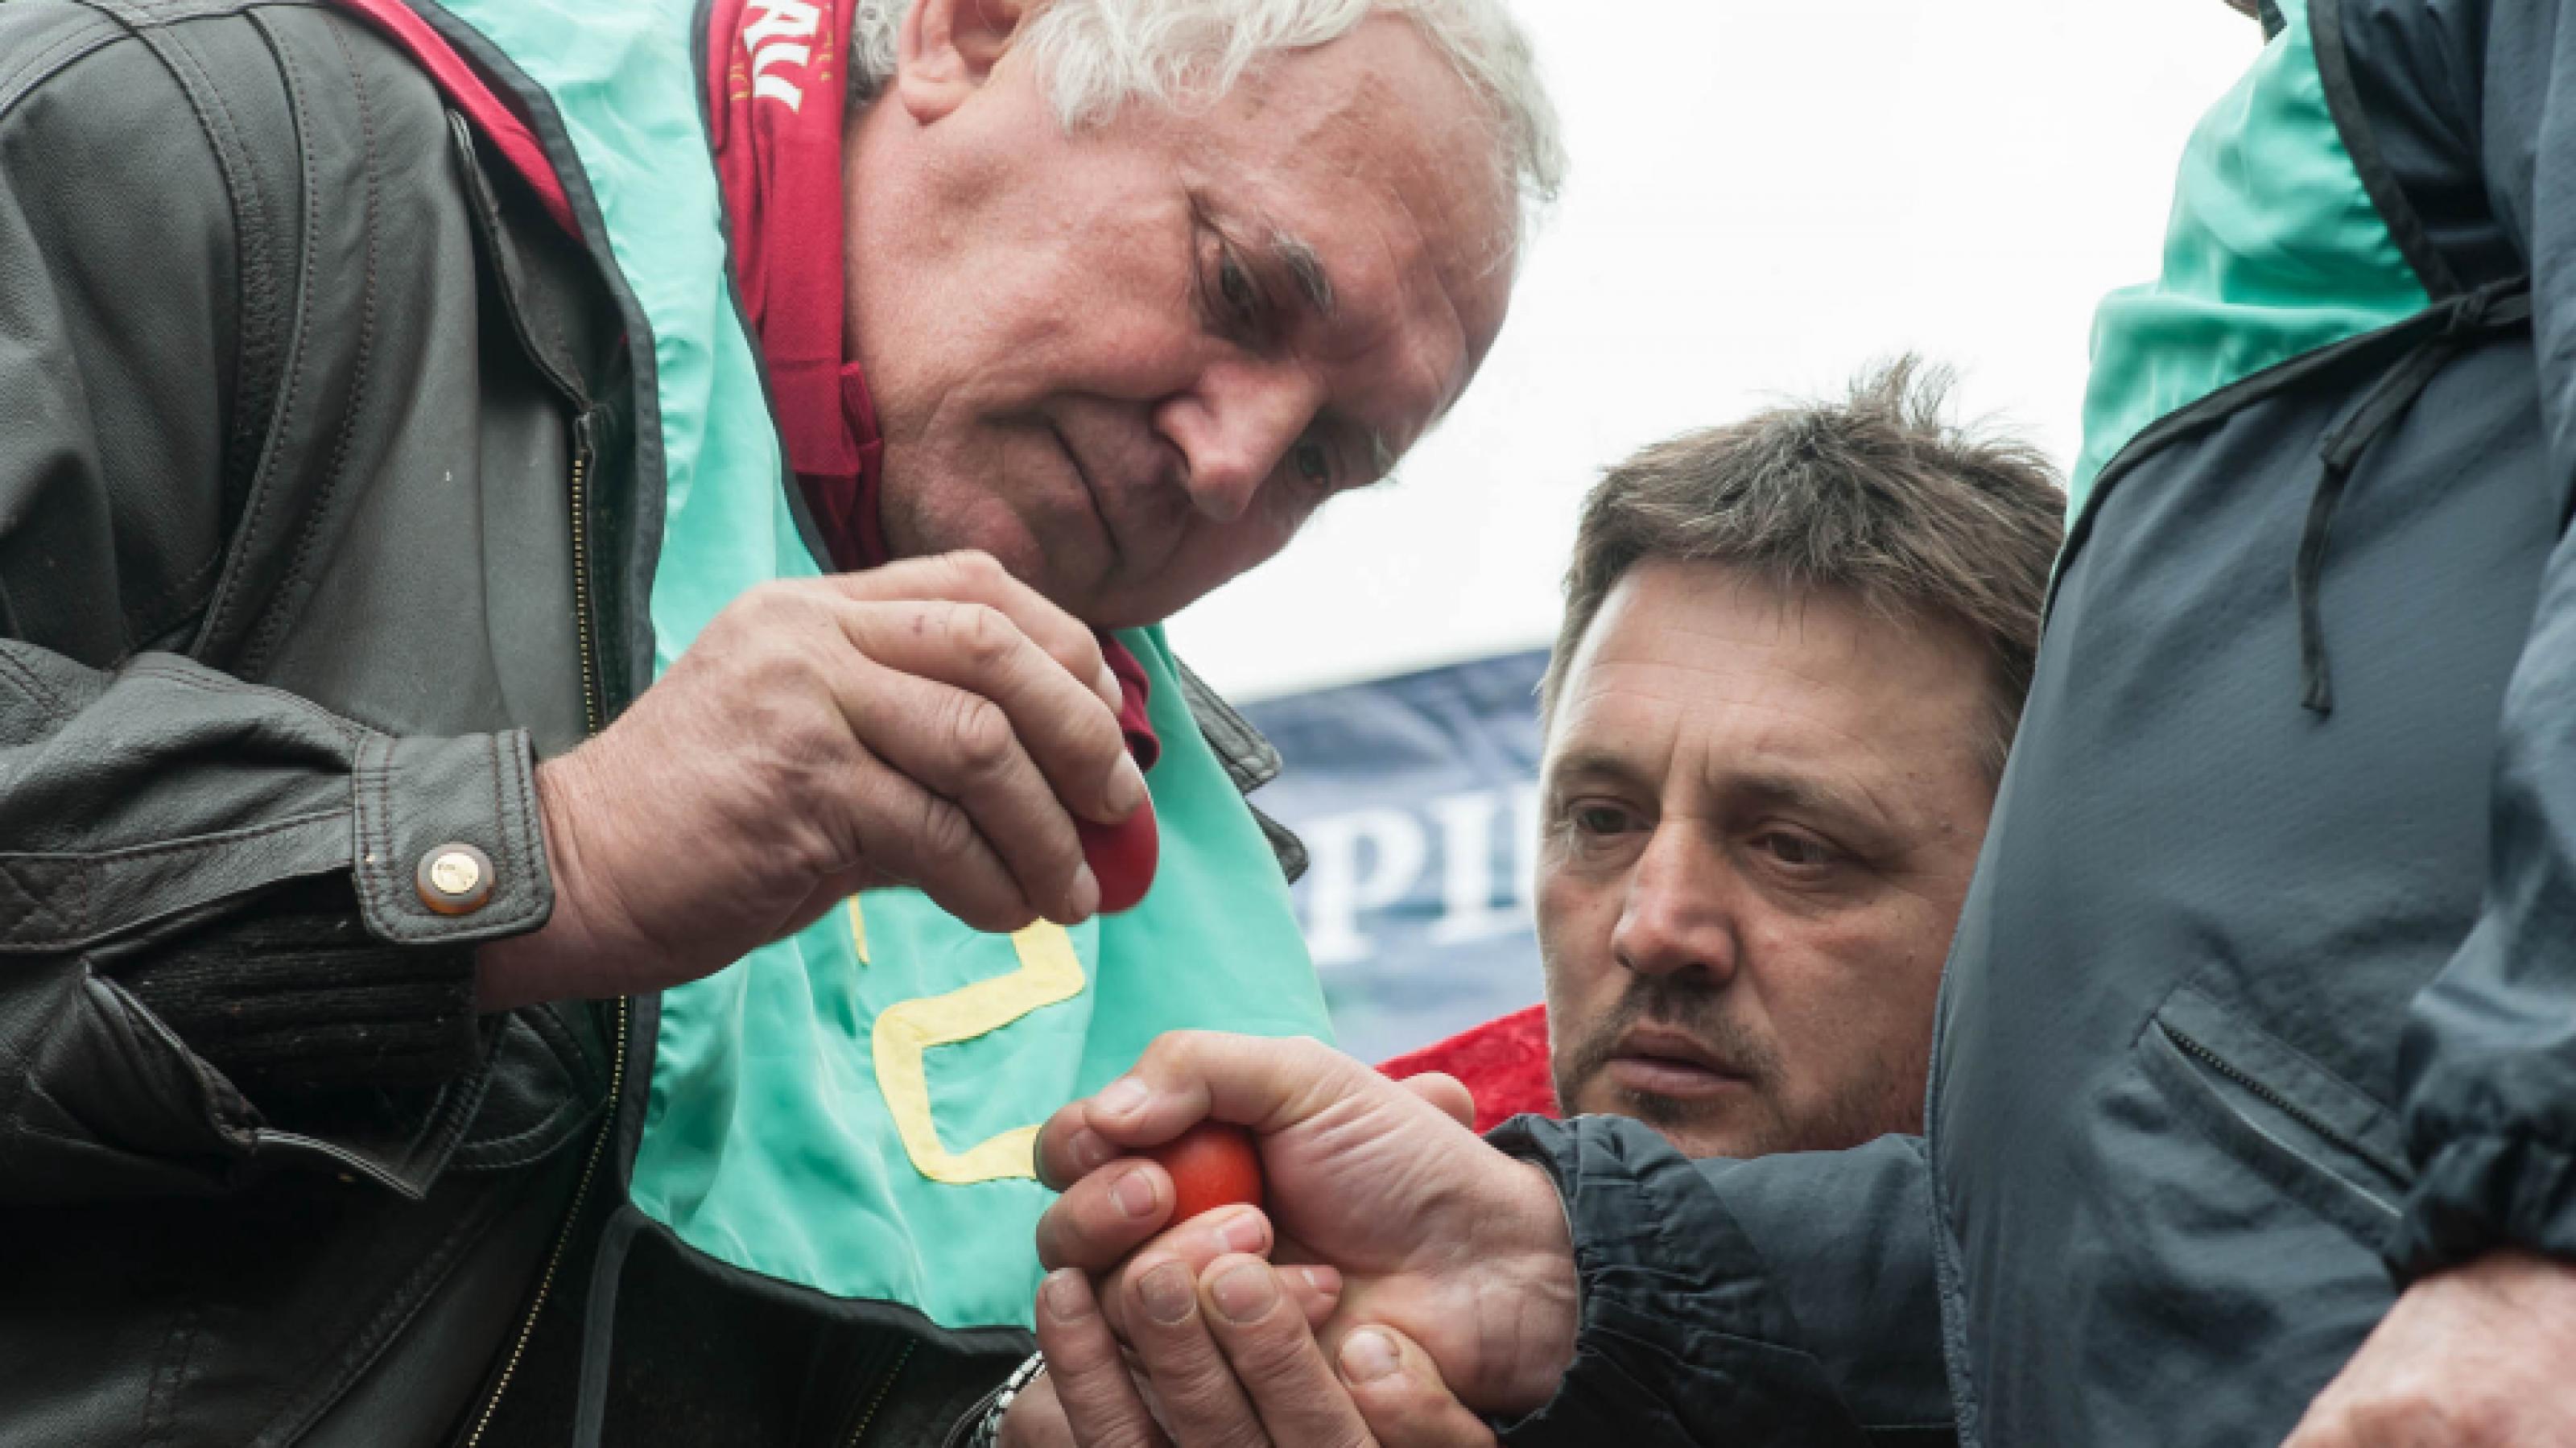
(455, 879)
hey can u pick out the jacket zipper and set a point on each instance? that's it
(563, 1239)
(2282, 1104)
(583, 445)
(584, 625)
(859, 1432)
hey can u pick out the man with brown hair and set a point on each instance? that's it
(1793, 653)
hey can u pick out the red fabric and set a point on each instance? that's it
(1503, 1063)
(1133, 690)
(457, 80)
(774, 111)
(776, 83)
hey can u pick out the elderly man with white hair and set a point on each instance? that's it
(585, 742)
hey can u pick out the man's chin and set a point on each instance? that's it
(1067, 561)
(1100, 602)
(1019, 557)
(1695, 1127)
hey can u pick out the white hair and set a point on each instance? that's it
(1096, 55)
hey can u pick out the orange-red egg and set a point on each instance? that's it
(1213, 1165)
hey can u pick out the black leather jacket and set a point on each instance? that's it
(320, 517)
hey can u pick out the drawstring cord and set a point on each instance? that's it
(2464, 319)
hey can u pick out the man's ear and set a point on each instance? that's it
(947, 48)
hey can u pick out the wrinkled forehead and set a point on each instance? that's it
(1376, 154)
(1716, 661)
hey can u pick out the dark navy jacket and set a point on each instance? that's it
(2263, 1002)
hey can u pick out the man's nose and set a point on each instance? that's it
(1233, 429)
(1677, 916)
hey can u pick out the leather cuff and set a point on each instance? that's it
(449, 847)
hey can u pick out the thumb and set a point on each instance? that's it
(1266, 1084)
(1399, 1392)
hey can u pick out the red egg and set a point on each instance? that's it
(1122, 856)
(1212, 1165)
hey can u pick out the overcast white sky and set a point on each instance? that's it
(1766, 195)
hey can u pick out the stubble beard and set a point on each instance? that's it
(1749, 1124)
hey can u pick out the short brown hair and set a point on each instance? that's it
(1876, 495)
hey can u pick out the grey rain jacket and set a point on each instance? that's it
(2263, 1002)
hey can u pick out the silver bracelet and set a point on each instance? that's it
(988, 1433)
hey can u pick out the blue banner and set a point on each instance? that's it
(1417, 797)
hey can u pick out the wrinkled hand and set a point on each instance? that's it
(1238, 1368)
(2476, 1357)
(1433, 1233)
(1232, 1356)
(932, 722)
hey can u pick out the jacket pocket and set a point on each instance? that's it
(542, 1094)
(2318, 1138)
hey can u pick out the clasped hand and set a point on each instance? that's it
(1404, 1278)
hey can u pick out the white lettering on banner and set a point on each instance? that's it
(778, 32)
(1471, 908)
(1337, 889)
(1364, 862)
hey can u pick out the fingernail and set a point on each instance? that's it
(1134, 1193)
(1167, 1293)
(1242, 1232)
(1326, 1281)
(1083, 901)
(1246, 1291)
(1126, 787)
(1367, 1356)
(1089, 1149)
(1065, 1299)
(1122, 1097)
(1108, 685)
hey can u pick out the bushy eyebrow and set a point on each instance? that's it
(1803, 795)
(1768, 789)
(1305, 266)
(1585, 763)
